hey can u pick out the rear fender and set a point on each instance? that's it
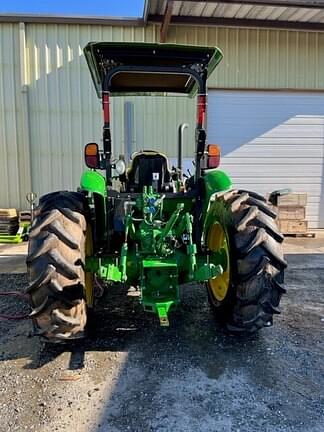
(92, 181)
(95, 184)
(214, 181)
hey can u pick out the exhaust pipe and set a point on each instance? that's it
(181, 130)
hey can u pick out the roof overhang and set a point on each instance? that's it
(305, 15)
(65, 19)
(279, 14)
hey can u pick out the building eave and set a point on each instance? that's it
(309, 4)
(237, 22)
(60, 19)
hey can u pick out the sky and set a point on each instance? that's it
(125, 8)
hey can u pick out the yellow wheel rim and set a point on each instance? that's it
(89, 276)
(217, 243)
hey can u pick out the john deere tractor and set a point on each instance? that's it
(143, 224)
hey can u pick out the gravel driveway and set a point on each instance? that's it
(131, 375)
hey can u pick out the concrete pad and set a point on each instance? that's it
(13, 249)
(304, 245)
(13, 257)
(131, 375)
(13, 264)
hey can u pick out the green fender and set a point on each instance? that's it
(94, 182)
(215, 181)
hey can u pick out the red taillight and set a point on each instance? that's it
(105, 107)
(213, 162)
(91, 155)
(201, 111)
(213, 156)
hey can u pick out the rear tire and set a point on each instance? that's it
(55, 265)
(256, 262)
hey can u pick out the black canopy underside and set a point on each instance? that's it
(140, 68)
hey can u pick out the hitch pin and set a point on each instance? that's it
(163, 316)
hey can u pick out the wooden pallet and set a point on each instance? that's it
(25, 216)
(292, 200)
(8, 213)
(303, 235)
(292, 226)
(297, 213)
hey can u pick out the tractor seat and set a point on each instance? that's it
(149, 168)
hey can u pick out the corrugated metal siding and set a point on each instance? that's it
(14, 170)
(64, 112)
(277, 142)
(267, 59)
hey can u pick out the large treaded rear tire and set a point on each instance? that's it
(55, 265)
(256, 259)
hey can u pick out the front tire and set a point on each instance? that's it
(55, 265)
(255, 262)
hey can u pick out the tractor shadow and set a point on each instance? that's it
(120, 324)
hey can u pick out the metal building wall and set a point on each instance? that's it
(14, 154)
(64, 113)
(283, 147)
(261, 59)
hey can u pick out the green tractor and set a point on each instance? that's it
(147, 226)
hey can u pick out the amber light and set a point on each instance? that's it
(213, 150)
(213, 158)
(91, 155)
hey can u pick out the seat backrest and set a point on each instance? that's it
(148, 169)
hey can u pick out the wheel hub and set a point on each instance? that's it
(217, 243)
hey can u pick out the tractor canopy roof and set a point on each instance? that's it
(142, 68)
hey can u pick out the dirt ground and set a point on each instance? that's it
(131, 375)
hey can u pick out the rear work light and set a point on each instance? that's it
(213, 156)
(91, 155)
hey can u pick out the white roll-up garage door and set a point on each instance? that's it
(272, 140)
